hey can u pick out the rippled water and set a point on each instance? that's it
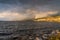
(11, 29)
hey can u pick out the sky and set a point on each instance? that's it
(14, 10)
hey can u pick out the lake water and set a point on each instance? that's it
(11, 29)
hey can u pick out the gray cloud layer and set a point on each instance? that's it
(28, 9)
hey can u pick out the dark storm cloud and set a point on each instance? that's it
(28, 9)
(54, 4)
(50, 4)
(25, 1)
(32, 2)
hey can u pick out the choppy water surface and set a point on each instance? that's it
(11, 29)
